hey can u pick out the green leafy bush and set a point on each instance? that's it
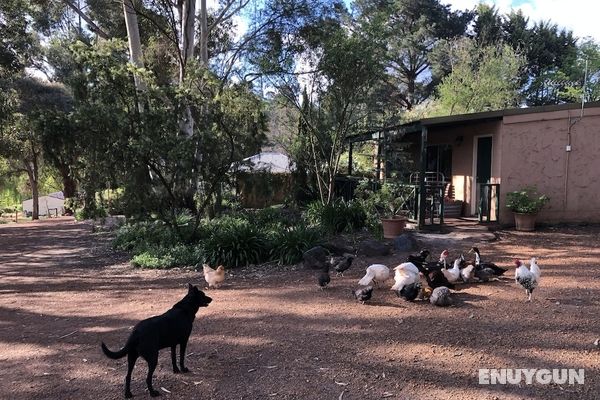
(288, 245)
(168, 257)
(235, 242)
(141, 236)
(338, 216)
(526, 200)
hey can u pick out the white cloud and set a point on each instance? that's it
(580, 16)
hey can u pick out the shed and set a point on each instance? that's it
(51, 204)
(264, 179)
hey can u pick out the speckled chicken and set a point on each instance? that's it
(528, 278)
(363, 294)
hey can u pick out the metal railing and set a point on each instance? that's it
(489, 198)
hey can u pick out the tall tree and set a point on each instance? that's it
(482, 78)
(410, 30)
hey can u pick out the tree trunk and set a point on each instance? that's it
(187, 35)
(31, 167)
(133, 37)
(203, 33)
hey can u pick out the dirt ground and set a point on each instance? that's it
(270, 333)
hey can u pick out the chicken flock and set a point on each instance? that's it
(417, 277)
(433, 280)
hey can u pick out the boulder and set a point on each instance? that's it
(373, 248)
(405, 242)
(316, 258)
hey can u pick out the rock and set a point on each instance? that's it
(405, 242)
(339, 246)
(597, 342)
(441, 297)
(373, 248)
(316, 258)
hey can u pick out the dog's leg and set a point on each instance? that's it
(152, 362)
(174, 359)
(131, 359)
(182, 347)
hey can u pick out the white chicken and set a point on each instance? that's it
(467, 273)
(405, 274)
(375, 273)
(528, 278)
(453, 274)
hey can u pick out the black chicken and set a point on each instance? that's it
(363, 294)
(323, 278)
(341, 264)
(409, 292)
(437, 279)
(481, 265)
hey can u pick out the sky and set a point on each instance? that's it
(580, 16)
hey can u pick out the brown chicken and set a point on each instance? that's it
(213, 277)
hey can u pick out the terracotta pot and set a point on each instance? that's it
(525, 222)
(393, 227)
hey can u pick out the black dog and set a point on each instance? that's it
(167, 330)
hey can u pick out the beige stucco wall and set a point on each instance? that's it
(533, 152)
(462, 156)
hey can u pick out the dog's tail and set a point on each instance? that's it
(114, 354)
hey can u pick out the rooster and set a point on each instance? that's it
(213, 277)
(375, 273)
(528, 278)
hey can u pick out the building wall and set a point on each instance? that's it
(533, 152)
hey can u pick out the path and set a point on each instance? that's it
(271, 334)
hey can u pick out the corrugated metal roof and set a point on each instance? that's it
(268, 161)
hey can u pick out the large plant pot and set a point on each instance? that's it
(525, 222)
(393, 227)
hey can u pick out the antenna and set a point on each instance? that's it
(584, 86)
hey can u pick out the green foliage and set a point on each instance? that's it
(235, 243)
(526, 200)
(338, 216)
(289, 244)
(482, 78)
(168, 257)
(142, 236)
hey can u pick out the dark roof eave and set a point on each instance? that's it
(415, 126)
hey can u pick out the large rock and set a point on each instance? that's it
(373, 248)
(339, 246)
(405, 242)
(316, 258)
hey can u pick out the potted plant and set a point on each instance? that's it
(391, 201)
(525, 204)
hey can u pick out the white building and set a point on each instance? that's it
(52, 204)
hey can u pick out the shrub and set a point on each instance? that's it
(141, 236)
(235, 242)
(288, 245)
(168, 257)
(338, 216)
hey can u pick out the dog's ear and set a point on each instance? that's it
(190, 287)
